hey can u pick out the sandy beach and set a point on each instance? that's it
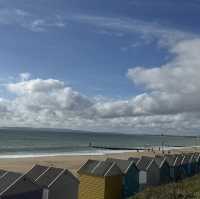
(72, 163)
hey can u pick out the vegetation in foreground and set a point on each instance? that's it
(186, 189)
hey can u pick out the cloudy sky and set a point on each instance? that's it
(130, 66)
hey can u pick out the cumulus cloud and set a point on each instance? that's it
(46, 103)
(172, 92)
(175, 86)
(35, 86)
(50, 94)
(170, 103)
(171, 99)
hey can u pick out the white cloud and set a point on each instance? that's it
(147, 31)
(29, 21)
(35, 86)
(172, 91)
(175, 86)
(170, 103)
(44, 103)
(24, 76)
(39, 25)
(179, 75)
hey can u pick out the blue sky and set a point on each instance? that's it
(83, 55)
(92, 45)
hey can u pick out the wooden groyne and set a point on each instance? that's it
(152, 148)
(115, 148)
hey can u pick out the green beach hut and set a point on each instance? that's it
(175, 164)
(149, 174)
(164, 169)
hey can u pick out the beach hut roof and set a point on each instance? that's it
(197, 157)
(174, 160)
(178, 160)
(7, 179)
(2, 172)
(100, 168)
(65, 173)
(193, 158)
(46, 176)
(186, 158)
(124, 165)
(15, 183)
(144, 163)
(135, 160)
(36, 171)
(160, 160)
(170, 159)
(88, 166)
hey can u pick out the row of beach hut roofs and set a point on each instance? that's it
(109, 179)
(120, 179)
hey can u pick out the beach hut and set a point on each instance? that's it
(17, 186)
(164, 169)
(100, 180)
(193, 164)
(176, 170)
(130, 176)
(56, 183)
(197, 159)
(149, 174)
(186, 165)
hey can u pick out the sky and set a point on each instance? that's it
(128, 66)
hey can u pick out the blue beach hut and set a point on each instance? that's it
(186, 164)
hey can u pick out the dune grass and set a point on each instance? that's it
(186, 189)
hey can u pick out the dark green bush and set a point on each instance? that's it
(187, 189)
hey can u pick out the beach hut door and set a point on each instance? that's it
(143, 177)
(45, 194)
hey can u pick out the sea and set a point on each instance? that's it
(24, 143)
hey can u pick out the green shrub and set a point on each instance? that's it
(187, 189)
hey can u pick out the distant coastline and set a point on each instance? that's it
(63, 130)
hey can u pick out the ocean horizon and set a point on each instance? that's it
(23, 143)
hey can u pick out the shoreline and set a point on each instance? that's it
(74, 162)
(67, 154)
(100, 151)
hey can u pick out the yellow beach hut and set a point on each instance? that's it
(100, 180)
